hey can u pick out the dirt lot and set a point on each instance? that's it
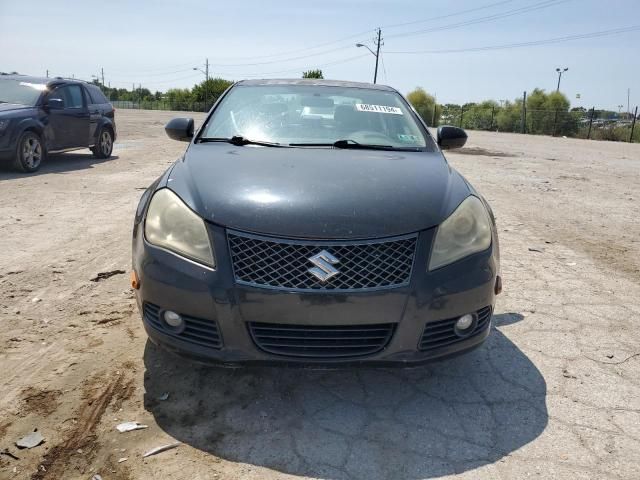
(554, 393)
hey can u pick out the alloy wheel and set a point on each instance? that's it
(31, 152)
(106, 143)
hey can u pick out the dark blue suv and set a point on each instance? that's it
(47, 115)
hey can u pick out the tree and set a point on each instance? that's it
(312, 74)
(548, 114)
(509, 117)
(210, 90)
(425, 105)
(180, 98)
(450, 114)
(480, 116)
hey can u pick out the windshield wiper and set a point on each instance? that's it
(239, 141)
(348, 143)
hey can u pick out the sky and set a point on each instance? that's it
(158, 43)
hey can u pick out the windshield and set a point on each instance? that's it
(14, 90)
(315, 115)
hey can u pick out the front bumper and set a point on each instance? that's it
(217, 303)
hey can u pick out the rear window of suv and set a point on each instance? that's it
(96, 95)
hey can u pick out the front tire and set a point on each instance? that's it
(30, 152)
(104, 147)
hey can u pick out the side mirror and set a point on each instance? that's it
(451, 137)
(180, 129)
(55, 104)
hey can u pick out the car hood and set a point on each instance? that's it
(12, 107)
(317, 192)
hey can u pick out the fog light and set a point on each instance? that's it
(465, 324)
(173, 319)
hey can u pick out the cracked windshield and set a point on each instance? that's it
(303, 115)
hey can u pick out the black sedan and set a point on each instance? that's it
(283, 236)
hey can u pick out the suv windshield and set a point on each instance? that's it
(13, 90)
(315, 115)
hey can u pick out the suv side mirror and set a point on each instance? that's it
(451, 137)
(180, 129)
(55, 104)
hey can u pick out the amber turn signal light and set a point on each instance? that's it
(135, 281)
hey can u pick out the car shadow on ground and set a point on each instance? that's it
(55, 163)
(444, 418)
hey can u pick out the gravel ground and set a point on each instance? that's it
(554, 392)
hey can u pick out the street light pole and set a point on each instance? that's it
(560, 72)
(375, 54)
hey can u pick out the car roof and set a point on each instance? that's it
(318, 82)
(43, 80)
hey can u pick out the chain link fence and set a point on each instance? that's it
(160, 105)
(578, 123)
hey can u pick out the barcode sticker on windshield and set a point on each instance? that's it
(365, 107)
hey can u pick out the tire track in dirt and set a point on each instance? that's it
(98, 393)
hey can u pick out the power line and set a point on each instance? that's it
(324, 52)
(384, 70)
(454, 14)
(488, 18)
(134, 73)
(286, 60)
(161, 82)
(299, 69)
(161, 71)
(360, 34)
(254, 75)
(298, 50)
(523, 44)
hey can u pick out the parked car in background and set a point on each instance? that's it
(39, 116)
(286, 236)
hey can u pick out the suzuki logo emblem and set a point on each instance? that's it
(323, 269)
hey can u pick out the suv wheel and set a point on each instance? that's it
(29, 152)
(104, 147)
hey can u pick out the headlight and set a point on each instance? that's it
(466, 231)
(172, 225)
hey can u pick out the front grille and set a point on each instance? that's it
(284, 264)
(197, 330)
(335, 341)
(442, 333)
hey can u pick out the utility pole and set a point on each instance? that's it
(47, 73)
(102, 73)
(560, 72)
(206, 85)
(593, 110)
(375, 75)
(376, 53)
(523, 117)
(628, 95)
